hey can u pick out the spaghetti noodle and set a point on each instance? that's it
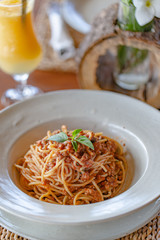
(54, 172)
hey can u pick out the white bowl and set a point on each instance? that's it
(126, 119)
(79, 14)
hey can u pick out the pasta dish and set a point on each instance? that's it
(73, 167)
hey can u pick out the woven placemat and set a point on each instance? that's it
(51, 60)
(150, 231)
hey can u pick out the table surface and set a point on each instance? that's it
(45, 80)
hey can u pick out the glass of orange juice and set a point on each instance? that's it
(20, 52)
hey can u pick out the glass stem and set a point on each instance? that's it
(21, 79)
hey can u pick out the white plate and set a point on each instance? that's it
(79, 14)
(124, 118)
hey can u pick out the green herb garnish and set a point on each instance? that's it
(62, 137)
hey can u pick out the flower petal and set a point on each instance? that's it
(156, 6)
(144, 15)
(138, 3)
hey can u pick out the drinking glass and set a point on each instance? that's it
(20, 52)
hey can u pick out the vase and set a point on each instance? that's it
(132, 64)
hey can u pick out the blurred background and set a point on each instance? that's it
(62, 28)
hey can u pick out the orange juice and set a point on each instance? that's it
(20, 51)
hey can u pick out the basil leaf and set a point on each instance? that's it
(76, 132)
(84, 140)
(75, 145)
(60, 137)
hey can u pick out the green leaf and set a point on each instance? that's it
(76, 132)
(84, 140)
(60, 137)
(75, 145)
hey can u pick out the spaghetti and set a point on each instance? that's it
(54, 172)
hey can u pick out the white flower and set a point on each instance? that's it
(146, 10)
